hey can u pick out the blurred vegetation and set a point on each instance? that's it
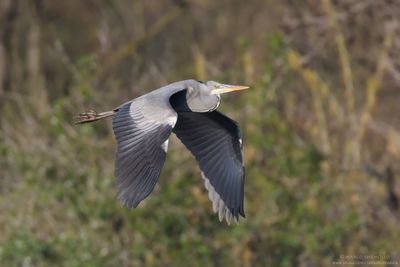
(321, 130)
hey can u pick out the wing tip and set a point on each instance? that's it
(229, 217)
(127, 203)
(218, 205)
(126, 199)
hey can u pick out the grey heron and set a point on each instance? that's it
(187, 108)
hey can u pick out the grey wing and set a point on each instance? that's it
(142, 128)
(216, 142)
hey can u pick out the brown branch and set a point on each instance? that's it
(388, 177)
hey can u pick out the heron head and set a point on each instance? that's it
(217, 88)
(205, 96)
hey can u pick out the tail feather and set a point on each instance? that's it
(91, 116)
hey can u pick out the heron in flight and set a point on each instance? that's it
(187, 108)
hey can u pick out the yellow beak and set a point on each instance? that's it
(226, 88)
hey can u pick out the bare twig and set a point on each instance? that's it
(319, 91)
(343, 55)
(373, 85)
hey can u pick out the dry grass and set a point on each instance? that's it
(340, 109)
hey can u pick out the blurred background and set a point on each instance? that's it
(321, 130)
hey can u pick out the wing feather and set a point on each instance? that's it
(215, 141)
(141, 134)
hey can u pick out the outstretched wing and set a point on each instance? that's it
(216, 142)
(142, 128)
